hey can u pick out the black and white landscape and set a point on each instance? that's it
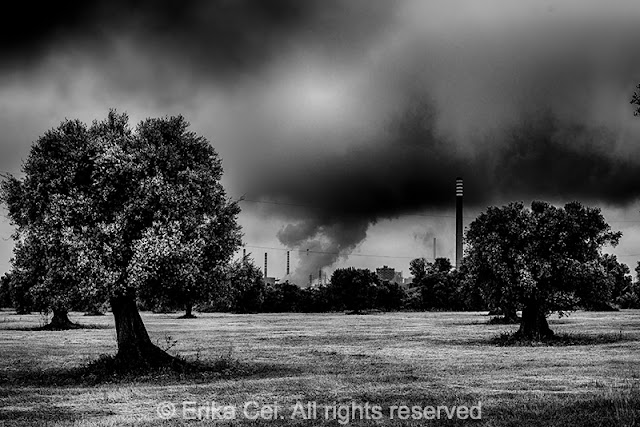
(289, 212)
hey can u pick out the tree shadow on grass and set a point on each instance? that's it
(107, 369)
(501, 320)
(49, 328)
(511, 339)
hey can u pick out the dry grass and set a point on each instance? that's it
(384, 359)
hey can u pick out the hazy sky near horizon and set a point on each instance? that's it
(355, 116)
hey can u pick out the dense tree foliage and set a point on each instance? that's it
(630, 294)
(247, 292)
(283, 297)
(244, 287)
(441, 287)
(120, 214)
(354, 288)
(498, 270)
(437, 287)
(543, 259)
(389, 296)
(5, 291)
(619, 274)
(16, 293)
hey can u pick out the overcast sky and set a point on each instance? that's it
(354, 116)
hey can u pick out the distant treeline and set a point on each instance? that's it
(436, 286)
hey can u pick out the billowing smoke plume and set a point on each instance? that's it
(357, 111)
(325, 242)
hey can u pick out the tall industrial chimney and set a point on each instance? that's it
(265, 265)
(459, 228)
(287, 263)
(434, 248)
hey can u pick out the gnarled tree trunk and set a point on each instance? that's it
(188, 312)
(534, 321)
(60, 321)
(135, 348)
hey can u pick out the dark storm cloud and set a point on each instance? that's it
(547, 158)
(355, 111)
(415, 170)
(226, 27)
(212, 39)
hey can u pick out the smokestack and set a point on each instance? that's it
(244, 253)
(265, 265)
(458, 222)
(434, 248)
(287, 263)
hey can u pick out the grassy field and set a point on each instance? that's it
(387, 359)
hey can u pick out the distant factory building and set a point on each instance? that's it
(388, 274)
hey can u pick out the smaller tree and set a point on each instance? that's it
(619, 274)
(283, 298)
(5, 290)
(419, 269)
(436, 287)
(630, 296)
(17, 291)
(243, 287)
(317, 299)
(47, 277)
(469, 296)
(390, 296)
(354, 288)
(441, 287)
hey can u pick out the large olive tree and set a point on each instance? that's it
(542, 259)
(124, 213)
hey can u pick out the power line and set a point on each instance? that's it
(310, 251)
